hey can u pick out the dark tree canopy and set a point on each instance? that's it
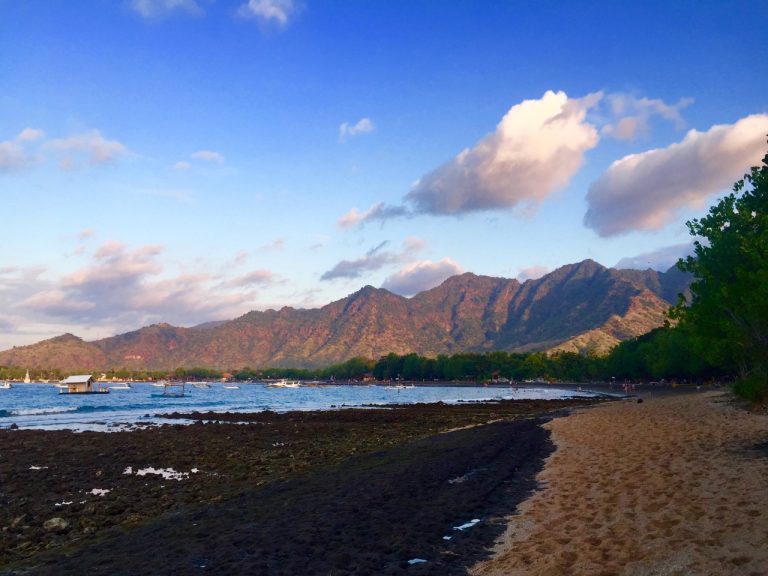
(728, 313)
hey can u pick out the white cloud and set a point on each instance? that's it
(375, 259)
(362, 126)
(277, 245)
(12, 156)
(634, 114)
(126, 288)
(532, 273)
(256, 277)
(379, 211)
(91, 146)
(182, 165)
(269, 11)
(646, 191)
(661, 259)
(536, 149)
(30, 135)
(422, 275)
(209, 156)
(162, 8)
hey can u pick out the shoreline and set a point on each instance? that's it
(331, 490)
(672, 485)
(38, 408)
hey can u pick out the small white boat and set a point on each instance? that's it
(231, 387)
(199, 384)
(121, 386)
(5, 385)
(284, 384)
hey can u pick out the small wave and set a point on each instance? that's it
(35, 411)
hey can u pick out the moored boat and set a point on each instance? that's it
(284, 383)
(81, 384)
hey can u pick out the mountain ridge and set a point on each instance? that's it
(578, 307)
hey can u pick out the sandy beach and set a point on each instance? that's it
(673, 485)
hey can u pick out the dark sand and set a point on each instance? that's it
(343, 492)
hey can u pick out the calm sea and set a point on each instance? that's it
(41, 405)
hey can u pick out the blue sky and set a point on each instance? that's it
(191, 160)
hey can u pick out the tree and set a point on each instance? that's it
(728, 312)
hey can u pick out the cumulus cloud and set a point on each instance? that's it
(182, 165)
(379, 211)
(661, 259)
(532, 273)
(535, 150)
(362, 126)
(161, 8)
(278, 12)
(422, 275)
(375, 259)
(90, 146)
(646, 191)
(633, 114)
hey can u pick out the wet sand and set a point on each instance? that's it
(674, 485)
(359, 491)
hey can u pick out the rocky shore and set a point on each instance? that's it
(353, 491)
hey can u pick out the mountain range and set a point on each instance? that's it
(578, 307)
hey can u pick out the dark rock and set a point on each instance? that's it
(56, 525)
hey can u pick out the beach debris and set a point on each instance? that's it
(416, 561)
(447, 537)
(63, 503)
(464, 478)
(55, 525)
(167, 473)
(38, 467)
(466, 525)
(100, 491)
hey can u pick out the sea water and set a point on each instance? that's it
(41, 406)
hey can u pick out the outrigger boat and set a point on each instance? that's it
(171, 389)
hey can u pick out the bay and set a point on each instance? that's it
(40, 406)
